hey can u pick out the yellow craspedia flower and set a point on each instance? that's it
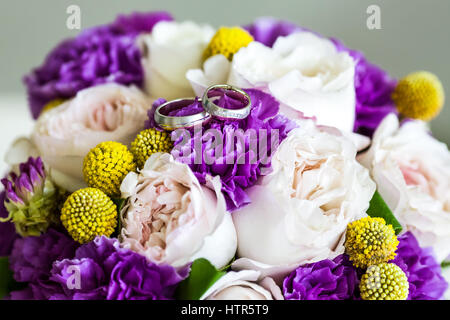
(88, 213)
(148, 142)
(227, 41)
(106, 165)
(52, 104)
(385, 281)
(419, 95)
(370, 241)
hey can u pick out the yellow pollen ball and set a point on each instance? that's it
(419, 95)
(148, 142)
(227, 41)
(370, 241)
(52, 104)
(88, 213)
(385, 281)
(106, 165)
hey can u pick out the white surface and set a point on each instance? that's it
(15, 121)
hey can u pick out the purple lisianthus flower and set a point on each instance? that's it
(21, 188)
(373, 85)
(31, 199)
(8, 233)
(423, 271)
(106, 272)
(328, 279)
(97, 55)
(241, 161)
(32, 257)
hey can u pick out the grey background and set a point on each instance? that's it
(414, 34)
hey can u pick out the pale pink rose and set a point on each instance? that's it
(65, 134)
(243, 285)
(299, 213)
(412, 171)
(170, 218)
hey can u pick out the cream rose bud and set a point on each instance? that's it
(243, 285)
(299, 213)
(303, 71)
(170, 218)
(412, 171)
(65, 134)
(168, 52)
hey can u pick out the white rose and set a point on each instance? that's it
(412, 171)
(20, 150)
(303, 71)
(243, 285)
(299, 213)
(65, 134)
(170, 218)
(168, 52)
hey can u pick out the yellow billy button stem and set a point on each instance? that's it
(227, 41)
(88, 213)
(419, 95)
(106, 165)
(148, 142)
(370, 241)
(384, 281)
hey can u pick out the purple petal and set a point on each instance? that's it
(424, 272)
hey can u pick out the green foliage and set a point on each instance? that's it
(202, 276)
(6, 277)
(379, 208)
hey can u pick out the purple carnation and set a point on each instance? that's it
(97, 55)
(134, 278)
(373, 97)
(139, 22)
(421, 268)
(373, 85)
(333, 279)
(239, 142)
(374, 88)
(107, 272)
(267, 29)
(8, 233)
(32, 257)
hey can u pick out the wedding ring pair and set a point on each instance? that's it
(210, 108)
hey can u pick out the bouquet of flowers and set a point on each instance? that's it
(173, 160)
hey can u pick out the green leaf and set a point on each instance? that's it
(228, 266)
(445, 264)
(202, 276)
(6, 277)
(379, 208)
(120, 203)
